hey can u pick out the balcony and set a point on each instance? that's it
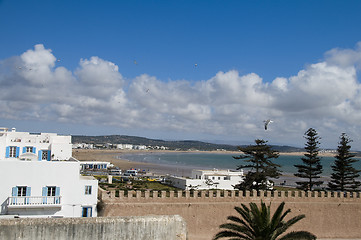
(34, 202)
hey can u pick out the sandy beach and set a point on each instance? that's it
(113, 157)
(157, 169)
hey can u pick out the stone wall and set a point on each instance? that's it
(103, 228)
(329, 215)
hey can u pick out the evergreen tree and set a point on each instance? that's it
(311, 168)
(257, 223)
(344, 175)
(261, 167)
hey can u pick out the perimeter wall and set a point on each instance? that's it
(110, 228)
(329, 215)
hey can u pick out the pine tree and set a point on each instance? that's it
(344, 175)
(311, 168)
(261, 167)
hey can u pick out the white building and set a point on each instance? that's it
(125, 146)
(39, 177)
(140, 147)
(34, 146)
(208, 179)
(83, 146)
(95, 165)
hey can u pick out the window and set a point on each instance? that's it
(12, 152)
(51, 195)
(44, 155)
(88, 190)
(21, 191)
(51, 191)
(86, 212)
(29, 149)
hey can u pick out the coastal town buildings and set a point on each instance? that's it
(40, 178)
(83, 146)
(95, 165)
(208, 179)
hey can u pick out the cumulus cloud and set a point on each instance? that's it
(324, 95)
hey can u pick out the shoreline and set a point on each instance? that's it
(113, 156)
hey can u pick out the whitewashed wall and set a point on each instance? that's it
(38, 174)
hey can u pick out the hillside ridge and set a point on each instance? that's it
(171, 145)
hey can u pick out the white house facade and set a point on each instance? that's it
(125, 146)
(39, 177)
(34, 146)
(208, 179)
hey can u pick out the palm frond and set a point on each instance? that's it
(233, 235)
(276, 219)
(250, 230)
(299, 235)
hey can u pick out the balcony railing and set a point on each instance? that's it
(30, 201)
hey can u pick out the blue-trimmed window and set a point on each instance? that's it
(51, 191)
(44, 155)
(21, 191)
(12, 152)
(29, 149)
(86, 212)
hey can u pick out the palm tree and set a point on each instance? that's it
(257, 224)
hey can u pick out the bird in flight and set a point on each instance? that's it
(266, 122)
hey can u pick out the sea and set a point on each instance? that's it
(201, 160)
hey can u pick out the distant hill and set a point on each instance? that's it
(171, 145)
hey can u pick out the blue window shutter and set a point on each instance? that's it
(57, 194)
(7, 154)
(14, 192)
(57, 191)
(28, 191)
(40, 152)
(34, 149)
(24, 149)
(49, 156)
(17, 151)
(45, 191)
(44, 194)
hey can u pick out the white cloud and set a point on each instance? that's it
(345, 57)
(323, 95)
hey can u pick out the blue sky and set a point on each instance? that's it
(205, 70)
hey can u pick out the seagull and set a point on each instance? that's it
(196, 65)
(147, 91)
(266, 122)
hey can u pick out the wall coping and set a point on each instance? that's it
(225, 194)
